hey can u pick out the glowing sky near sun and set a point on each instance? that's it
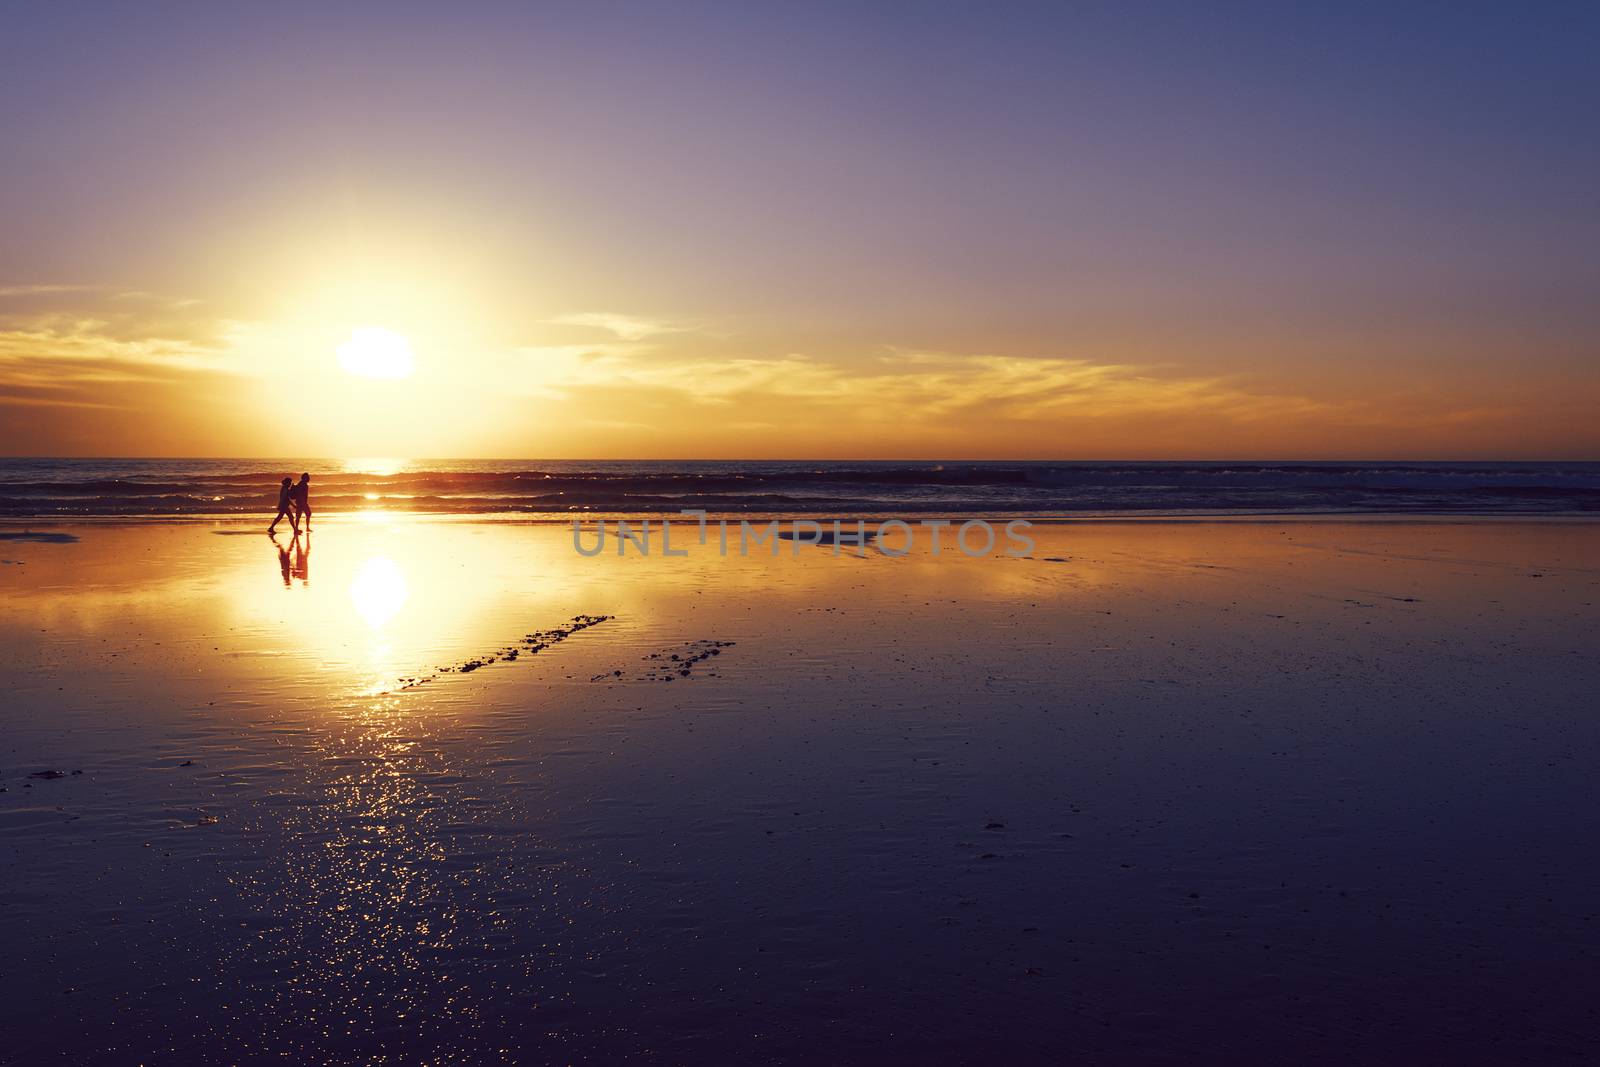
(826, 230)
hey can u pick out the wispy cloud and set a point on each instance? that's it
(956, 404)
(920, 386)
(625, 327)
(40, 290)
(162, 366)
(87, 351)
(92, 348)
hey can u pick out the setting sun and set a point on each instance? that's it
(373, 352)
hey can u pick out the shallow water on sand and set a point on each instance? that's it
(1304, 790)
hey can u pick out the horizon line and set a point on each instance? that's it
(794, 459)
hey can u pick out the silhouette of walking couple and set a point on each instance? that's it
(294, 500)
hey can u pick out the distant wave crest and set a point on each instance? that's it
(41, 488)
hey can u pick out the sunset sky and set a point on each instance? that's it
(802, 230)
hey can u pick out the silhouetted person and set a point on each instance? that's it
(302, 502)
(285, 501)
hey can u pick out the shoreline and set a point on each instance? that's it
(340, 518)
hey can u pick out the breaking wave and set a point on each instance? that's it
(41, 488)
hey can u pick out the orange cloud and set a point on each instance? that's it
(103, 372)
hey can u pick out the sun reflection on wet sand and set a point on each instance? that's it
(378, 591)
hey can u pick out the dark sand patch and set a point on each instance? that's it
(531, 644)
(50, 538)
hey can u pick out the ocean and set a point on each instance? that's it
(201, 488)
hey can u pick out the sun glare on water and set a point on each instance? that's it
(373, 352)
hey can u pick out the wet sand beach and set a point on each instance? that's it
(447, 791)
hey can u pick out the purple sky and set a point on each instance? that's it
(1355, 231)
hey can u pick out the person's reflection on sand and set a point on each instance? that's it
(302, 558)
(283, 559)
